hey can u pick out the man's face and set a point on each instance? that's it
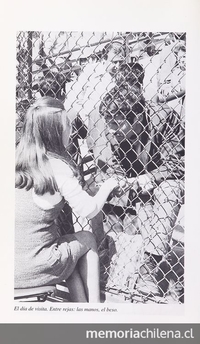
(114, 61)
(122, 129)
(182, 60)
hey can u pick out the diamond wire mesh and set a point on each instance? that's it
(74, 67)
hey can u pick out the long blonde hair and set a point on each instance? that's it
(44, 124)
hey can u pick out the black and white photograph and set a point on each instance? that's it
(99, 167)
(99, 171)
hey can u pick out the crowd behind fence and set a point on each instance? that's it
(74, 66)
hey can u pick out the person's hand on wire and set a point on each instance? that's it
(143, 183)
(121, 188)
(118, 191)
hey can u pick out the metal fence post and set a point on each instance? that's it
(30, 49)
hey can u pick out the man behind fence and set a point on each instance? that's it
(148, 145)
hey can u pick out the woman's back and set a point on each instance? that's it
(35, 233)
(31, 219)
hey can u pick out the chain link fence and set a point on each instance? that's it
(145, 76)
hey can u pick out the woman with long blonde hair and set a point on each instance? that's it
(45, 179)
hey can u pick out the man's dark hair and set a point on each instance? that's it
(128, 101)
(131, 73)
